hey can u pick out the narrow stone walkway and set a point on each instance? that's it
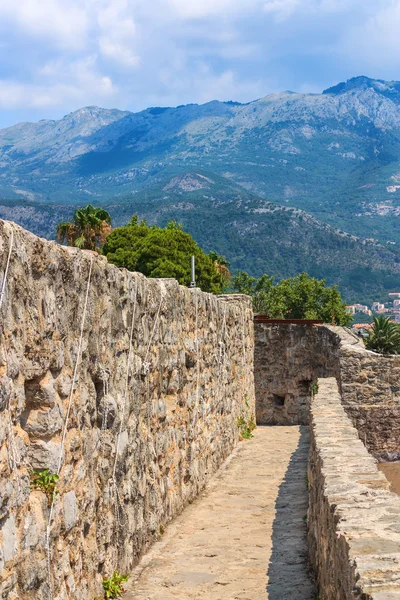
(244, 538)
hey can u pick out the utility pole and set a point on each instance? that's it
(193, 282)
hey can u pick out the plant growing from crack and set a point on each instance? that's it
(113, 586)
(246, 427)
(46, 482)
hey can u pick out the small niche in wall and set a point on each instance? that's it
(277, 400)
(100, 389)
(305, 387)
(33, 393)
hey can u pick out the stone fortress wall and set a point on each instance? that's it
(289, 359)
(130, 388)
(323, 376)
(370, 386)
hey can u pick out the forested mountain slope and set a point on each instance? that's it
(334, 155)
(256, 235)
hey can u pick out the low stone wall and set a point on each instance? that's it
(353, 520)
(288, 359)
(370, 386)
(162, 376)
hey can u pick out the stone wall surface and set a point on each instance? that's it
(140, 432)
(288, 358)
(353, 518)
(370, 386)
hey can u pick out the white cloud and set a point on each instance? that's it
(80, 83)
(117, 33)
(204, 85)
(282, 9)
(195, 9)
(11, 94)
(64, 54)
(117, 16)
(199, 8)
(120, 53)
(65, 24)
(375, 41)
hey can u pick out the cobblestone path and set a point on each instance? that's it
(244, 538)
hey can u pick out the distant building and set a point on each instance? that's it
(394, 294)
(352, 309)
(362, 308)
(378, 306)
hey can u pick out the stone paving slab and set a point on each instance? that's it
(244, 538)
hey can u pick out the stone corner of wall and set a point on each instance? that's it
(345, 336)
(242, 299)
(288, 359)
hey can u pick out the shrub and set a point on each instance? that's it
(46, 482)
(113, 585)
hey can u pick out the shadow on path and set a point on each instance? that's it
(288, 574)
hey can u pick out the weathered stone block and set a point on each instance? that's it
(9, 543)
(44, 455)
(6, 389)
(70, 510)
(42, 423)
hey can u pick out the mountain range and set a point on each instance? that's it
(288, 182)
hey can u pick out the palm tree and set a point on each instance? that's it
(384, 337)
(88, 230)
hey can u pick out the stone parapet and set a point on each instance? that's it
(353, 518)
(163, 375)
(370, 386)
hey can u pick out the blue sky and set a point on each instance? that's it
(59, 55)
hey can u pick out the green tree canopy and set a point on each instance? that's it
(162, 252)
(87, 230)
(300, 297)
